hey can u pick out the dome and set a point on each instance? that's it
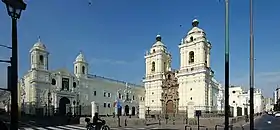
(39, 45)
(158, 41)
(195, 28)
(80, 57)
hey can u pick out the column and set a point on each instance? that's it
(234, 111)
(93, 108)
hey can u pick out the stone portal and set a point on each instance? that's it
(62, 105)
(170, 95)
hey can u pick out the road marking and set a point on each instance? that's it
(53, 128)
(63, 127)
(40, 128)
(28, 128)
(76, 127)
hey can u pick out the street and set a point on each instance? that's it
(266, 122)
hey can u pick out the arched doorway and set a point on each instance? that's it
(169, 106)
(133, 111)
(62, 105)
(126, 110)
(119, 111)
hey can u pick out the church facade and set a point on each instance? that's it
(44, 91)
(189, 88)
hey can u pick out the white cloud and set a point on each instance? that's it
(107, 61)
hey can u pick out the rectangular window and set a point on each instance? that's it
(104, 94)
(109, 94)
(109, 105)
(105, 104)
(94, 93)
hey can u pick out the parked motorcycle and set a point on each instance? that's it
(91, 126)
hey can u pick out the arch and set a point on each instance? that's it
(83, 69)
(191, 38)
(126, 110)
(153, 66)
(119, 111)
(169, 106)
(53, 82)
(41, 59)
(74, 84)
(191, 57)
(133, 111)
(62, 105)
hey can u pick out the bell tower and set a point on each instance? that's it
(39, 56)
(80, 66)
(158, 61)
(195, 73)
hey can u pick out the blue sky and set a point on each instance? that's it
(114, 35)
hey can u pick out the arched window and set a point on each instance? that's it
(153, 66)
(83, 69)
(76, 69)
(41, 59)
(191, 38)
(169, 77)
(154, 50)
(53, 82)
(191, 57)
(74, 84)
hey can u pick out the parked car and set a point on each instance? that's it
(277, 114)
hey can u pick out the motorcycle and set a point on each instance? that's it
(91, 126)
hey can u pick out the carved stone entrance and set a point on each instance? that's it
(170, 95)
(169, 107)
(62, 105)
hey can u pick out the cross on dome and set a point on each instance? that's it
(39, 38)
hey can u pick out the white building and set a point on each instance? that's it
(239, 101)
(60, 89)
(276, 95)
(268, 104)
(191, 87)
(221, 99)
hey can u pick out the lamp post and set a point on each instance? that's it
(14, 8)
(251, 68)
(227, 108)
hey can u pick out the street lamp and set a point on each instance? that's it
(14, 8)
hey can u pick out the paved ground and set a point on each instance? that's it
(78, 127)
(266, 122)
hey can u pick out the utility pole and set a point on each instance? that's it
(227, 108)
(251, 68)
